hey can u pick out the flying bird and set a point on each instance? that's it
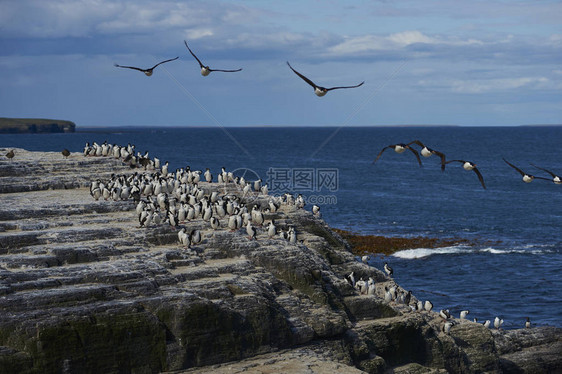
(399, 148)
(318, 90)
(148, 71)
(527, 178)
(555, 178)
(426, 152)
(467, 165)
(205, 70)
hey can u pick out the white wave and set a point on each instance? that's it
(520, 250)
(411, 254)
(425, 252)
(495, 251)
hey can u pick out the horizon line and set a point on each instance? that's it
(306, 126)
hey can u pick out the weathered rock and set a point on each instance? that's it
(83, 288)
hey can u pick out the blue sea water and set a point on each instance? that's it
(513, 269)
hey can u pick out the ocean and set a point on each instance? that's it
(512, 267)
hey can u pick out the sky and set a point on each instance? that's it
(433, 62)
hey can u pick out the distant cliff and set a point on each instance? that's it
(34, 125)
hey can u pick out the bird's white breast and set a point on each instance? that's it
(399, 149)
(205, 71)
(319, 92)
(425, 152)
(527, 179)
(468, 166)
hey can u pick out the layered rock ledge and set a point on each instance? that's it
(83, 288)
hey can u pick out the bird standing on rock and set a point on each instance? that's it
(65, 152)
(444, 313)
(10, 154)
(271, 230)
(447, 327)
(388, 269)
(498, 322)
(251, 231)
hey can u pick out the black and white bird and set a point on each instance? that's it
(388, 269)
(316, 211)
(400, 148)
(206, 70)
(498, 322)
(271, 230)
(464, 314)
(428, 306)
(467, 165)
(215, 224)
(444, 313)
(195, 236)
(251, 231)
(427, 152)
(351, 278)
(527, 178)
(555, 178)
(528, 323)
(407, 298)
(319, 90)
(447, 327)
(148, 71)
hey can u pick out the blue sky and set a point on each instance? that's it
(472, 63)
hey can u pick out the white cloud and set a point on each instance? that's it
(499, 84)
(396, 41)
(84, 18)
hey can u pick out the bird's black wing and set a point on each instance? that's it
(418, 143)
(448, 162)
(515, 167)
(415, 153)
(337, 88)
(548, 171)
(382, 150)
(129, 67)
(302, 76)
(172, 59)
(442, 156)
(193, 54)
(479, 177)
(226, 71)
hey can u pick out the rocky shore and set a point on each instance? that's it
(83, 288)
